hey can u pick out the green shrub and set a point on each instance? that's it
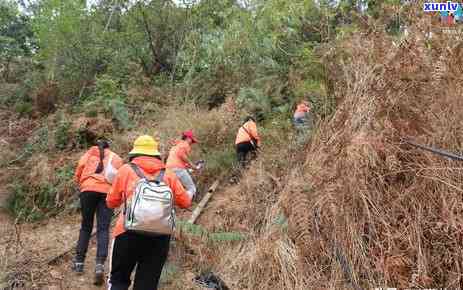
(254, 101)
(23, 108)
(197, 230)
(227, 237)
(62, 135)
(28, 204)
(219, 161)
(108, 98)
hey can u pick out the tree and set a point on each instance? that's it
(16, 36)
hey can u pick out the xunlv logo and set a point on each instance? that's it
(432, 7)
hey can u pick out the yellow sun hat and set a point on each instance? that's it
(145, 145)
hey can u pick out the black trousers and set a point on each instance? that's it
(148, 253)
(243, 150)
(91, 203)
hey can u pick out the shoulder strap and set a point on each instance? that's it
(160, 177)
(253, 140)
(140, 174)
(137, 170)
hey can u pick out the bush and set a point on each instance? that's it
(219, 161)
(108, 98)
(254, 101)
(62, 135)
(30, 205)
(31, 202)
(23, 108)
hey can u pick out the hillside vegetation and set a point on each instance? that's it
(351, 206)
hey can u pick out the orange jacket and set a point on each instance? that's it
(85, 175)
(301, 110)
(126, 179)
(178, 154)
(243, 136)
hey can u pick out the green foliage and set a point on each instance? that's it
(30, 203)
(219, 161)
(192, 229)
(254, 101)
(16, 37)
(23, 108)
(226, 237)
(62, 135)
(197, 230)
(108, 98)
(38, 142)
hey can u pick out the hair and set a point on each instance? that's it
(102, 145)
(249, 118)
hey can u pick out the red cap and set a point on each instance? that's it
(189, 134)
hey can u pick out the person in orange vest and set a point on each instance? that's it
(247, 140)
(179, 161)
(301, 115)
(94, 180)
(148, 253)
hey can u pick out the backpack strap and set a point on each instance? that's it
(160, 177)
(137, 170)
(140, 174)
(253, 140)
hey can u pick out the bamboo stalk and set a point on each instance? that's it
(203, 203)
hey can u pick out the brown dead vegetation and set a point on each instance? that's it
(363, 209)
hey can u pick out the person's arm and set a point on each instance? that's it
(183, 155)
(115, 196)
(182, 199)
(80, 168)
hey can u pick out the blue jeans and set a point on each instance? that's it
(186, 180)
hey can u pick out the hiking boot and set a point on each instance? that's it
(99, 275)
(77, 267)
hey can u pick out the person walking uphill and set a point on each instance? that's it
(247, 140)
(94, 174)
(302, 116)
(142, 232)
(178, 161)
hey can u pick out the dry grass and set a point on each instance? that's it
(391, 212)
(364, 210)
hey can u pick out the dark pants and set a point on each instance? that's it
(91, 203)
(148, 253)
(243, 150)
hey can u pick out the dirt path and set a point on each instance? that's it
(50, 238)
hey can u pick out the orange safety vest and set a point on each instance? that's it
(178, 154)
(85, 175)
(247, 132)
(301, 110)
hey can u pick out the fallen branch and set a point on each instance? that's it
(203, 202)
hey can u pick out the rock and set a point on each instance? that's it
(56, 275)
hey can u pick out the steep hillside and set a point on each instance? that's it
(350, 207)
